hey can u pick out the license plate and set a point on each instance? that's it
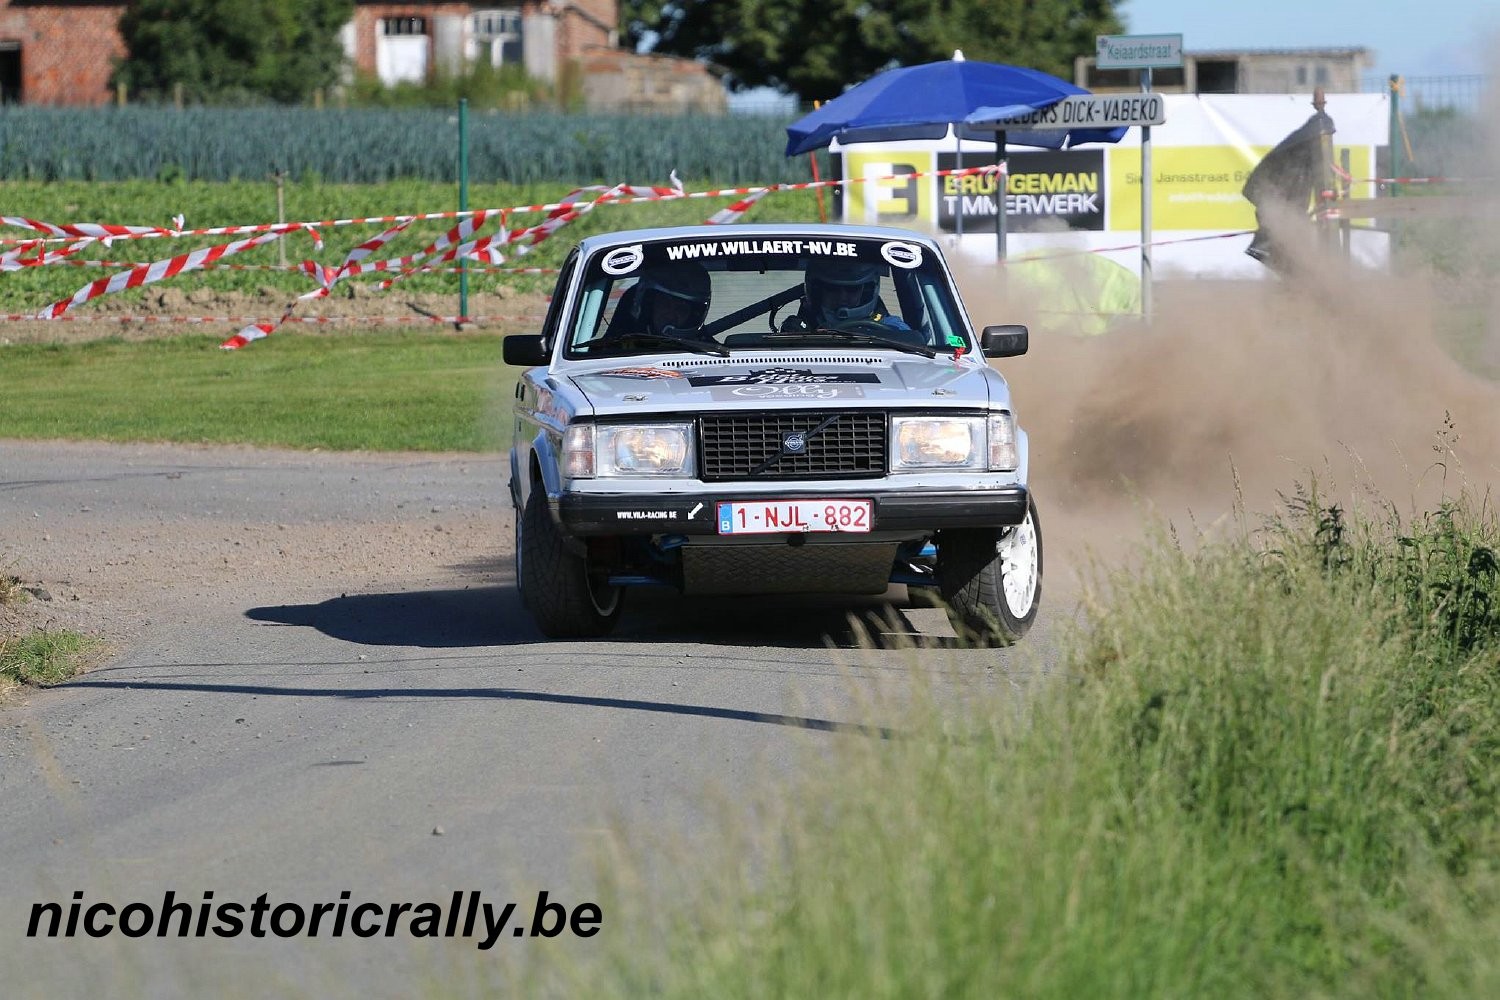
(769, 517)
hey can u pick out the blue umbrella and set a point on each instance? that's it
(922, 102)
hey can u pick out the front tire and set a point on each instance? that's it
(991, 581)
(516, 554)
(565, 599)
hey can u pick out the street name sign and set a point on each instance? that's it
(1139, 51)
(1088, 111)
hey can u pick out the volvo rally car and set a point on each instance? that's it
(768, 409)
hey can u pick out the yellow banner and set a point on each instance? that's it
(897, 201)
(1198, 187)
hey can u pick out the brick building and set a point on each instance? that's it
(58, 51)
(406, 41)
(63, 51)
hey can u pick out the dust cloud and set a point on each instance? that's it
(1380, 385)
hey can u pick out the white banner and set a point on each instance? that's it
(1089, 198)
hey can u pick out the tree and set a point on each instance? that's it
(218, 50)
(818, 48)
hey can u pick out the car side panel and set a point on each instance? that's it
(545, 407)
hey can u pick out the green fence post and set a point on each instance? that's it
(463, 205)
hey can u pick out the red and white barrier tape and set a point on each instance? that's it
(15, 260)
(489, 247)
(417, 320)
(457, 244)
(1029, 258)
(326, 277)
(107, 233)
(91, 230)
(445, 246)
(146, 274)
(636, 194)
(300, 268)
(353, 263)
(1417, 180)
(732, 212)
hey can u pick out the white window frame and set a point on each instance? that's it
(397, 27)
(491, 29)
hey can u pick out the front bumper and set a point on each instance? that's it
(592, 514)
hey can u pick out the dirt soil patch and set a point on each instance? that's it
(112, 540)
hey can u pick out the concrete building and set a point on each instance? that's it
(1240, 71)
(615, 78)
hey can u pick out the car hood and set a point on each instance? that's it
(759, 382)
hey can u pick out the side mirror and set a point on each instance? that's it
(524, 349)
(1009, 340)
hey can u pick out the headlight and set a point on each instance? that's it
(959, 442)
(938, 443)
(628, 450)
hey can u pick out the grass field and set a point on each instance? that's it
(382, 390)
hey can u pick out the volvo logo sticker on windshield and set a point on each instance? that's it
(898, 254)
(795, 443)
(622, 260)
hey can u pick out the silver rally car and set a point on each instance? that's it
(764, 409)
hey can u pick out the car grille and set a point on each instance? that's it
(753, 445)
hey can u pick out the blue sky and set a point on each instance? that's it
(1420, 38)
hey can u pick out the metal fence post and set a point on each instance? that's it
(1325, 194)
(280, 176)
(1346, 231)
(1398, 166)
(1146, 209)
(463, 204)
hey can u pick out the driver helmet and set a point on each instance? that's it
(842, 290)
(672, 299)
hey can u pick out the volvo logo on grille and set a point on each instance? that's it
(795, 443)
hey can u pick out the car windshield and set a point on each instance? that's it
(724, 294)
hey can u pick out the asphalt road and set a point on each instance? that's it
(324, 681)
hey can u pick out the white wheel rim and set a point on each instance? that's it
(1018, 568)
(612, 599)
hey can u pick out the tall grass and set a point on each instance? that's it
(41, 656)
(1270, 770)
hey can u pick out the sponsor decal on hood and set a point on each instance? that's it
(785, 376)
(642, 372)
